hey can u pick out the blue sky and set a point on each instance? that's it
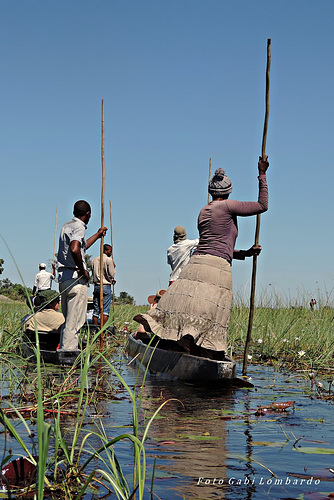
(182, 81)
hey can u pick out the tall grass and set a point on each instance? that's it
(283, 328)
(76, 454)
(286, 330)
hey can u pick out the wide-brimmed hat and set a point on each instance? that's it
(155, 298)
(46, 297)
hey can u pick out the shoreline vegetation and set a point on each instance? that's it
(40, 457)
(284, 332)
(35, 400)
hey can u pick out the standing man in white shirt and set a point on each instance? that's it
(73, 275)
(43, 279)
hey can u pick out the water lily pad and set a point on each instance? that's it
(199, 438)
(271, 444)
(315, 451)
(230, 412)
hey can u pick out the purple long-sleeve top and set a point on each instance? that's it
(218, 227)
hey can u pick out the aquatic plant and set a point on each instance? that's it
(285, 333)
(297, 336)
(64, 469)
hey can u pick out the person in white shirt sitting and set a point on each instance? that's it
(179, 253)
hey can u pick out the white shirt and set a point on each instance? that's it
(178, 256)
(73, 230)
(43, 280)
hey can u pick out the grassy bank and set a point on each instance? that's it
(295, 336)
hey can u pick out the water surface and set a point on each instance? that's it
(213, 445)
(208, 442)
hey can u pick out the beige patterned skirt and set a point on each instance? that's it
(198, 304)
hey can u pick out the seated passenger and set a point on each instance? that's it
(47, 319)
(179, 253)
(153, 300)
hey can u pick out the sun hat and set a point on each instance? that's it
(155, 298)
(180, 234)
(46, 297)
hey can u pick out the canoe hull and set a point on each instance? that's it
(48, 356)
(178, 365)
(49, 342)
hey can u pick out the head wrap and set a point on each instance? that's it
(220, 183)
(179, 234)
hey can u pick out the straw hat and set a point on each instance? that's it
(155, 298)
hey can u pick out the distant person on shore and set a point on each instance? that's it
(313, 303)
(43, 279)
(179, 253)
(73, 274)
(107, 282)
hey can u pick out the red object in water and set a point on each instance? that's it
(261, 410)
(18, 472)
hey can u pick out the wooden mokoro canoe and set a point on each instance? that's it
(49, 356)
(179, 365)
(48, 343)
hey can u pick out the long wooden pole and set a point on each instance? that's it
(102, 225)
(112, 256)
(54, 239)
(258, 217)
(209, 179)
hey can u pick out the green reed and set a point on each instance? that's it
(297, 336)
(69, 468)
(282, 328)
(113, 471)
(282, 334)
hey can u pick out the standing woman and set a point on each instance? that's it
(195, 310)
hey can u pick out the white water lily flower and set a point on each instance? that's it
(259, 341)
(301, 353)
(249, 357)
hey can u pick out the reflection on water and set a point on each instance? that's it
(190, 438)
(213, 445)
(209, 443)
